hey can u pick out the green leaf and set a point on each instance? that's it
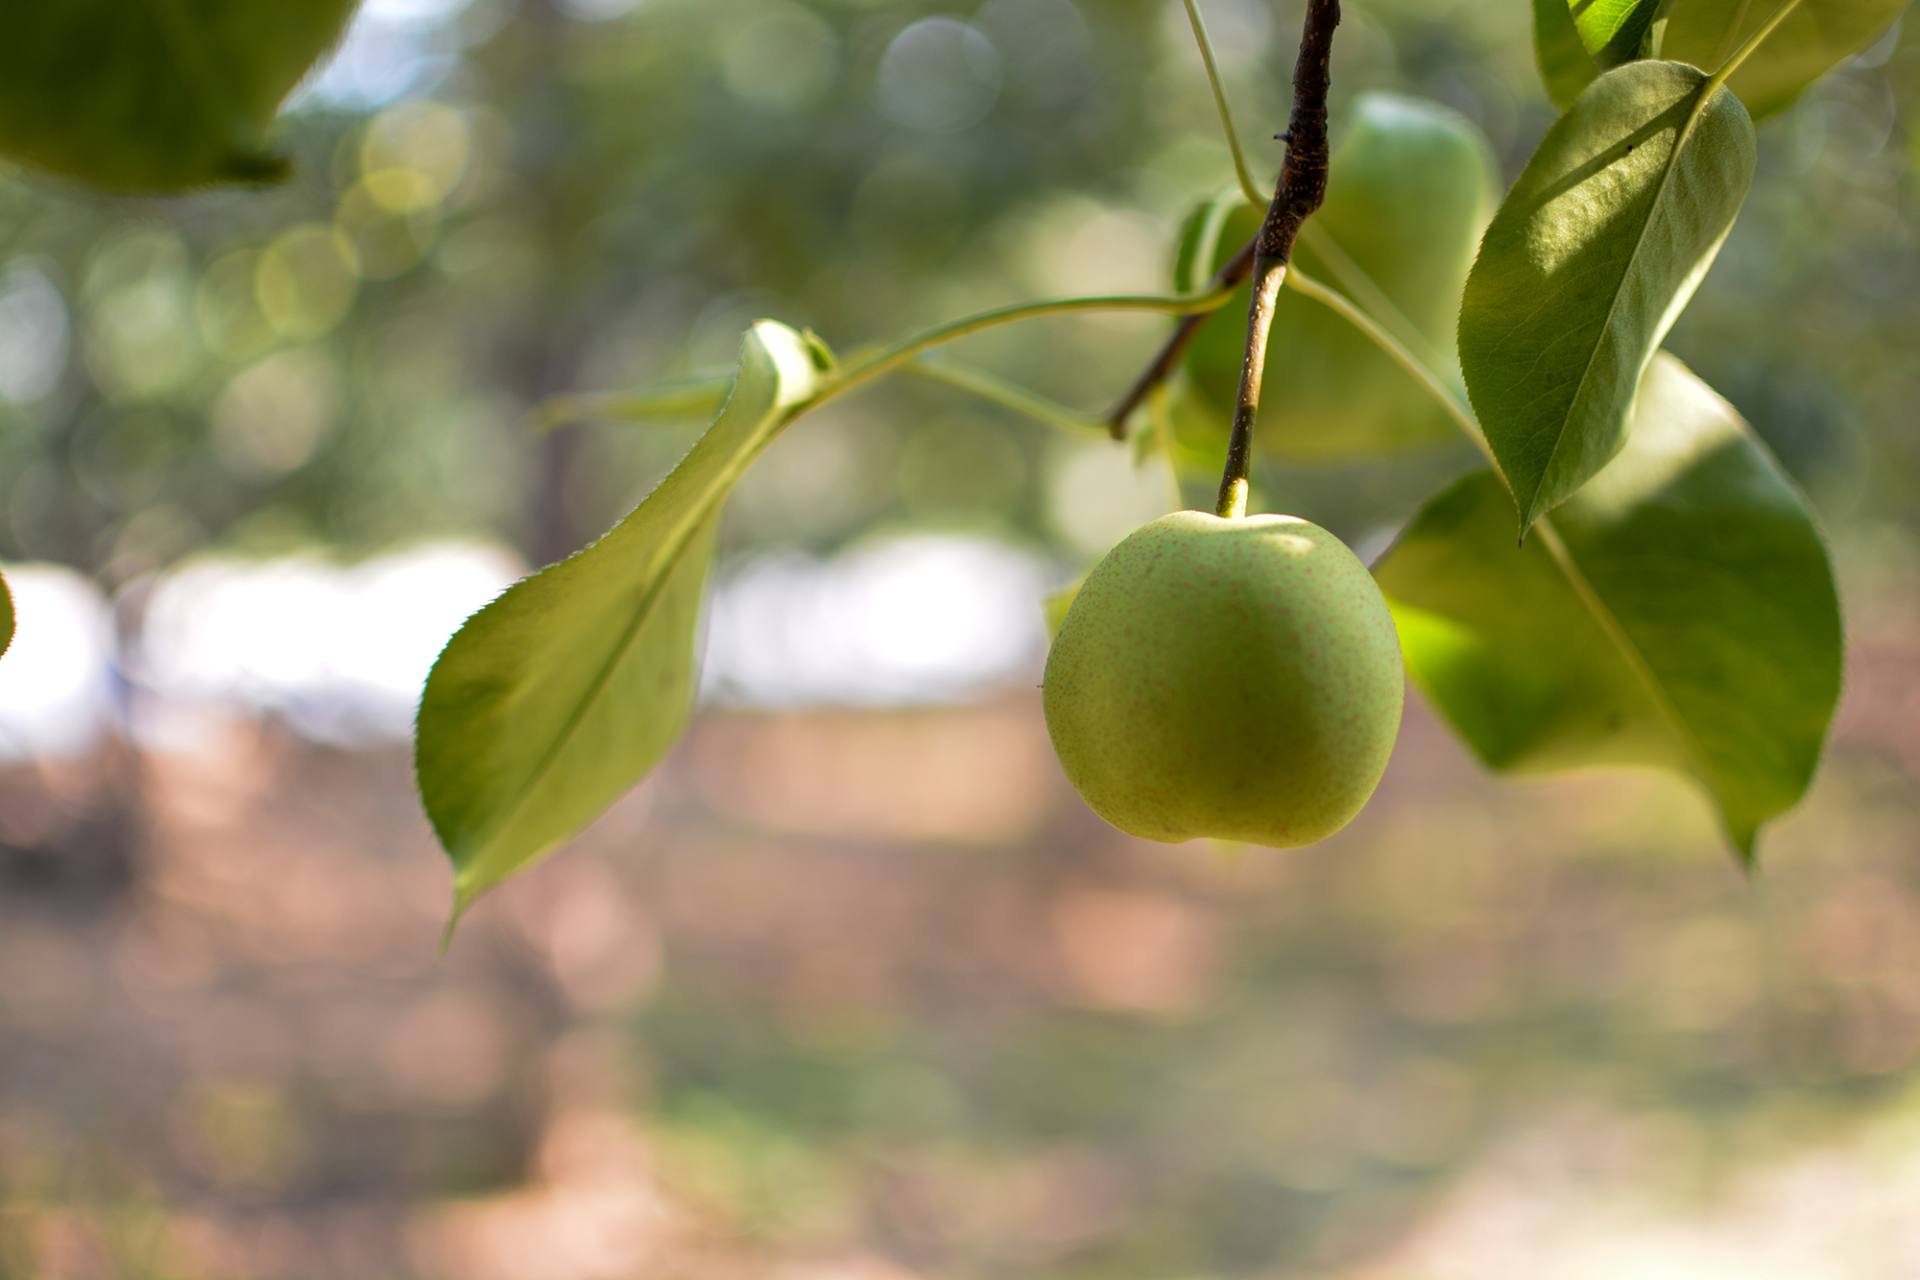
(571, 686)
(1614, 31)
(6, 616)
(1813, 40)
(1057, 603)
(1592, 257)
(1565, 65)
(1680, 613)
(697, 395)
(155, 95)
(1411, 187)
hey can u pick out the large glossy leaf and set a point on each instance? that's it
(1680, 612)
(1411, 187)
(154, 95)
(1817, 37)
(1565, 65)
(1588, 263)
(567, 689)
(1614, 31)
(6, 616)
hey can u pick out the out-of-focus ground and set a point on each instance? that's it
(870, 996)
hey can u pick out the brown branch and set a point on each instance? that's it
(1236, 271)
(1303, 178)
(1301, 188)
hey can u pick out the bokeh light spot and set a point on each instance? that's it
(306, 280)
(939, 76)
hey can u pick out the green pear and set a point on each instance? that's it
(1237, 678)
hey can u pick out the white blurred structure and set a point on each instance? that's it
(339, 653)
(56, 681)
(905, 621)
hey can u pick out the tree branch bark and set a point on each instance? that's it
(1301, 188)
(1300, 191)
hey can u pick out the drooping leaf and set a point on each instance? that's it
(1410, 189)
(155, 95)
(1614, 31)
(571, 686)
(1814, 39)
(1595, 252)
(6, 616)
(1565, 65)
(1680, 613)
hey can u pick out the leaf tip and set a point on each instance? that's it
(1531, 509)
(818, 350)
(462, 899)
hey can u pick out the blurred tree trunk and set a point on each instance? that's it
(543, 361)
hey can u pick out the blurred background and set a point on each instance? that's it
(854, 988)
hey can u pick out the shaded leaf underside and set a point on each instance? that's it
(1679, 613)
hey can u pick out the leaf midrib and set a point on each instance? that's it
(1636, 660)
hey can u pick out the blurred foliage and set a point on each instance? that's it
(493, 203)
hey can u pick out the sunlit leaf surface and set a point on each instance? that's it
(1595, 252)
(1814, 39)
(1565, 65)
(1613, 31)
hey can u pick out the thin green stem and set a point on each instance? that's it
(1249, 187)
(705, 392)
(1384, 338)
(1352, 277)
(1725, 71)
(1007, 395)
(864, 370)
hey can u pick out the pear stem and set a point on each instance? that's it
(1301, 189)
(1269, 275)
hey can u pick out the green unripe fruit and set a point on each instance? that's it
(1412, 186)
(1237, 678)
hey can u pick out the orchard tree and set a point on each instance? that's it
(1630, 578)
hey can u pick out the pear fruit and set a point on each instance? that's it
(1229, 677)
